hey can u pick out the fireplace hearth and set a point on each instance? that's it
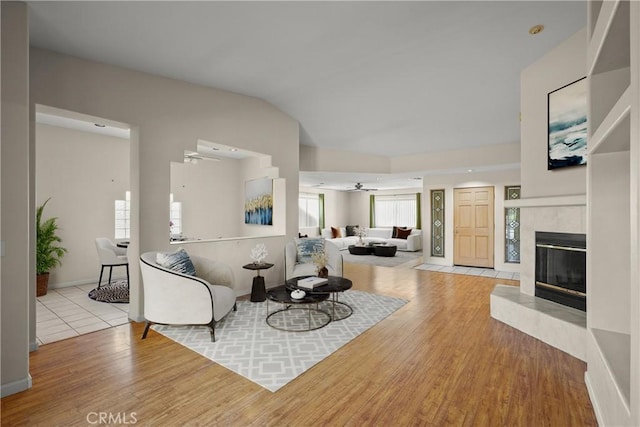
(561, 268)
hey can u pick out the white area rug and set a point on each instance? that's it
(269, 357)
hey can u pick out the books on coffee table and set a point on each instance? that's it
(312, 282)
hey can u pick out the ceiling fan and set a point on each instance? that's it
(359, 187)
(193, 157)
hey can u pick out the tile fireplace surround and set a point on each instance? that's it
(557, 325)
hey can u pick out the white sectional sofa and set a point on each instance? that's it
(378, 235)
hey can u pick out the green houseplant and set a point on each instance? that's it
(48, 251)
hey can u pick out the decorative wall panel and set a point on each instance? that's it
(437, 223)
(512, 226)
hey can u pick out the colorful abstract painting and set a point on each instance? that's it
(258, 201)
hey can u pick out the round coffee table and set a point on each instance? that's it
(286, 320)
(360, 250)
(385, 250)
(334, 286)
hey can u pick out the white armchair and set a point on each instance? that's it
(172, 298)
(294, 269)
(111, 256)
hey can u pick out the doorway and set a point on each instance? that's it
(473, 218)
(82, 166)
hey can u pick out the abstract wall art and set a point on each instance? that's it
(567, 125)
(258, 201)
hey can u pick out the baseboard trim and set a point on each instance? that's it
(16, 386)
(592, 397)
(33, 346)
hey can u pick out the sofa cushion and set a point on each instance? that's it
(351, 230)
(403, 233)
(178, 261)
(306, 247)
(335, 233)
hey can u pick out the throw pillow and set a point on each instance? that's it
(403, 233)
(306, 247)
(335, 233)
(177, 261)
(394, 233)
(351, 230)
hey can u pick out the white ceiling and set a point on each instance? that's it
(387, 78)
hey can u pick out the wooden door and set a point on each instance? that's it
(473, 226)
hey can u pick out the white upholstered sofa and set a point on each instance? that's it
(376, 235)
(173, 298)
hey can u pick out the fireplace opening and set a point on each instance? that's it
(561, 268)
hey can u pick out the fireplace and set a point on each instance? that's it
(561, 268)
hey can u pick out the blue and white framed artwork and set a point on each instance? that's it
(258, 201)
(567, 125)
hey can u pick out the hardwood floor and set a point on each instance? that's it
(439, 360)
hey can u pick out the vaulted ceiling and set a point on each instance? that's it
(386, 78)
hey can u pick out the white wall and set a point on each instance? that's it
(561, 66)
(211, 197)
(336, 209)
(17, 267)
(168, 116)
(329, 160)
(83, 174)
(359, 204)
(498, 180)
(492, 156)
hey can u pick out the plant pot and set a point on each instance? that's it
(323, 272)
(42, 283)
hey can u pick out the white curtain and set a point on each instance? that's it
(308, 210)
(396, 210)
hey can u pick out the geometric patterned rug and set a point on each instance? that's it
(246, 345)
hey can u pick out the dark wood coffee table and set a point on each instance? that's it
(385, 250)
(360, 249)
(288, 321)
(334, 286)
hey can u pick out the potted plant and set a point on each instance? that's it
(48, 251)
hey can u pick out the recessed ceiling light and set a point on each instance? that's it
(233, 149)
(469, 170)
(100, 125)
(536, 29)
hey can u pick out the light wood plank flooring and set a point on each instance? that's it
(439, 360)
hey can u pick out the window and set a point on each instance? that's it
(123, 217)
(396, 210)
(308, 210)
(512, 226)
(175, 217)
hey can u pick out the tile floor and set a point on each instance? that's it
(471, 271)
(69, 312)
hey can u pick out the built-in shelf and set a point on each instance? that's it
(538, 202)
(610, 33)
(616, 352)
(612, 135)
(612, 375)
